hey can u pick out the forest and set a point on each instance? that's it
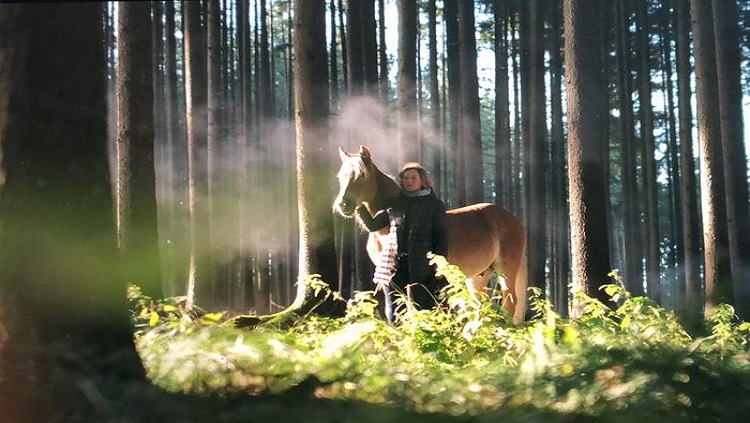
(409, 101)
(169, 168)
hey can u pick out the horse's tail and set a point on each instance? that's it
(519, 313)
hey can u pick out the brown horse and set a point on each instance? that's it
(481, 237)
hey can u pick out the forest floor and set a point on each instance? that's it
(461, 363)
(301, 406)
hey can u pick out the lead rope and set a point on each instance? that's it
(386, 266)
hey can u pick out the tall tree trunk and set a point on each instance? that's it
(245, 69)
(689, 204)
(717, 263)
(537, 159)
(517, 154)
(161, 146)
(728, 60)
(370, 48)
(333, 64)
(344, 44)
(675, 254)
(560, 213)
(651, 214)
(382, 55)
(408, 136)
(346, 246)
(362, 55)
(213, 102)
(471, 134)
(63, 312)
(244, 135)
(362, 47)
(175, 256)
(633, 255)
(136, 197)
(436, 141)
(199, 279)
(590, 248)
(261, 82)
(219, 210)
(264, 95)
(523, 145)
(314, 191)
(354, 51)
(606, 16)
(453, 66)
(503, 175)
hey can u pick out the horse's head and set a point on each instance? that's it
(357, 182)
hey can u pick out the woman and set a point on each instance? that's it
(419, 219)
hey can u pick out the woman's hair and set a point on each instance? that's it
(426, 180)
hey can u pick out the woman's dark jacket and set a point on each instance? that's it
(423, 229)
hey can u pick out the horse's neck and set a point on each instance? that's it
(387, 189)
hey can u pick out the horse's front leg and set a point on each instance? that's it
(375, 245)
(477, 284)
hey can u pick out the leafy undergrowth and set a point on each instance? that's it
(461, 362)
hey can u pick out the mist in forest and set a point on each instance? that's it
(365, 121)
(252, 185)
(253, 176)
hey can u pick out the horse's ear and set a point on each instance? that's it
(343, 154)
(364, 153)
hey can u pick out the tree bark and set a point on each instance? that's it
(503, 174)
(518, 204)
(354, 50)
(728, 60)
(384, 84)
(314, 191)
(673, 280)
(537, 148)
(717, 263)
(200, 274)
(453, 68)
(265, 100)
(651, 212)
(436, 141)
(136, 182)
(177, 225)
(560, 210)
(370, 48)
(333, 64)
(590, 247)
(689, 197)
(362, 48)
(408, 146)
(632, 255)
(471, 133)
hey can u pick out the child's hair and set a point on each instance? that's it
(426, 180)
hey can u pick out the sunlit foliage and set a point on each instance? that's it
(464, 358)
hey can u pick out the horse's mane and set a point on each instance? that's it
(358, 167)
(387, 186)
(361, 168)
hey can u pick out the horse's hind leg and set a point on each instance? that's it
(507, 274)
(511, 266)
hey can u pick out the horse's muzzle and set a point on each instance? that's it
(344, 208)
